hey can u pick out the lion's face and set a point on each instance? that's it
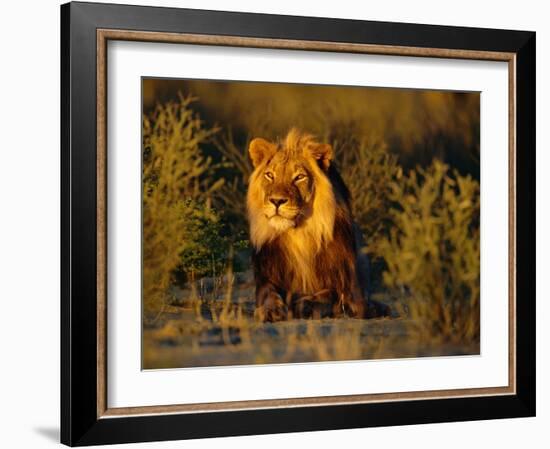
(285, 179)
(288, 187)
(290, 194)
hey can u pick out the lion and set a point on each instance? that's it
(305, 242)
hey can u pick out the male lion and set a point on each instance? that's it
(305, 257)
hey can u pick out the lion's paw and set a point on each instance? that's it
(274, 309)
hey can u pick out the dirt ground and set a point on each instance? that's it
(213, 324)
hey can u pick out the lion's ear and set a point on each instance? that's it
(259, 150)
(323, 153)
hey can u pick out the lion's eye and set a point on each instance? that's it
(268, 175)
(300, 177)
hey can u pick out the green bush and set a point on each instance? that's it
(175, 170)
(207, 248)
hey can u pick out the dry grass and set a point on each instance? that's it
(214, 325)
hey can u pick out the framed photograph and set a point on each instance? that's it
(280, 224)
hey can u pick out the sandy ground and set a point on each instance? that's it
(209, 326)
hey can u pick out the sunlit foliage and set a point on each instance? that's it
(433, 251)
(175, 171)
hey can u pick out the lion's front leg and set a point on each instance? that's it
(270, 306)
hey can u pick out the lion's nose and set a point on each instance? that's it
(277, 201)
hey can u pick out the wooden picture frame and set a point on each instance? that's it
(85, 416)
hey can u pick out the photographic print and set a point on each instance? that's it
(291, 223)
(288, 201)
